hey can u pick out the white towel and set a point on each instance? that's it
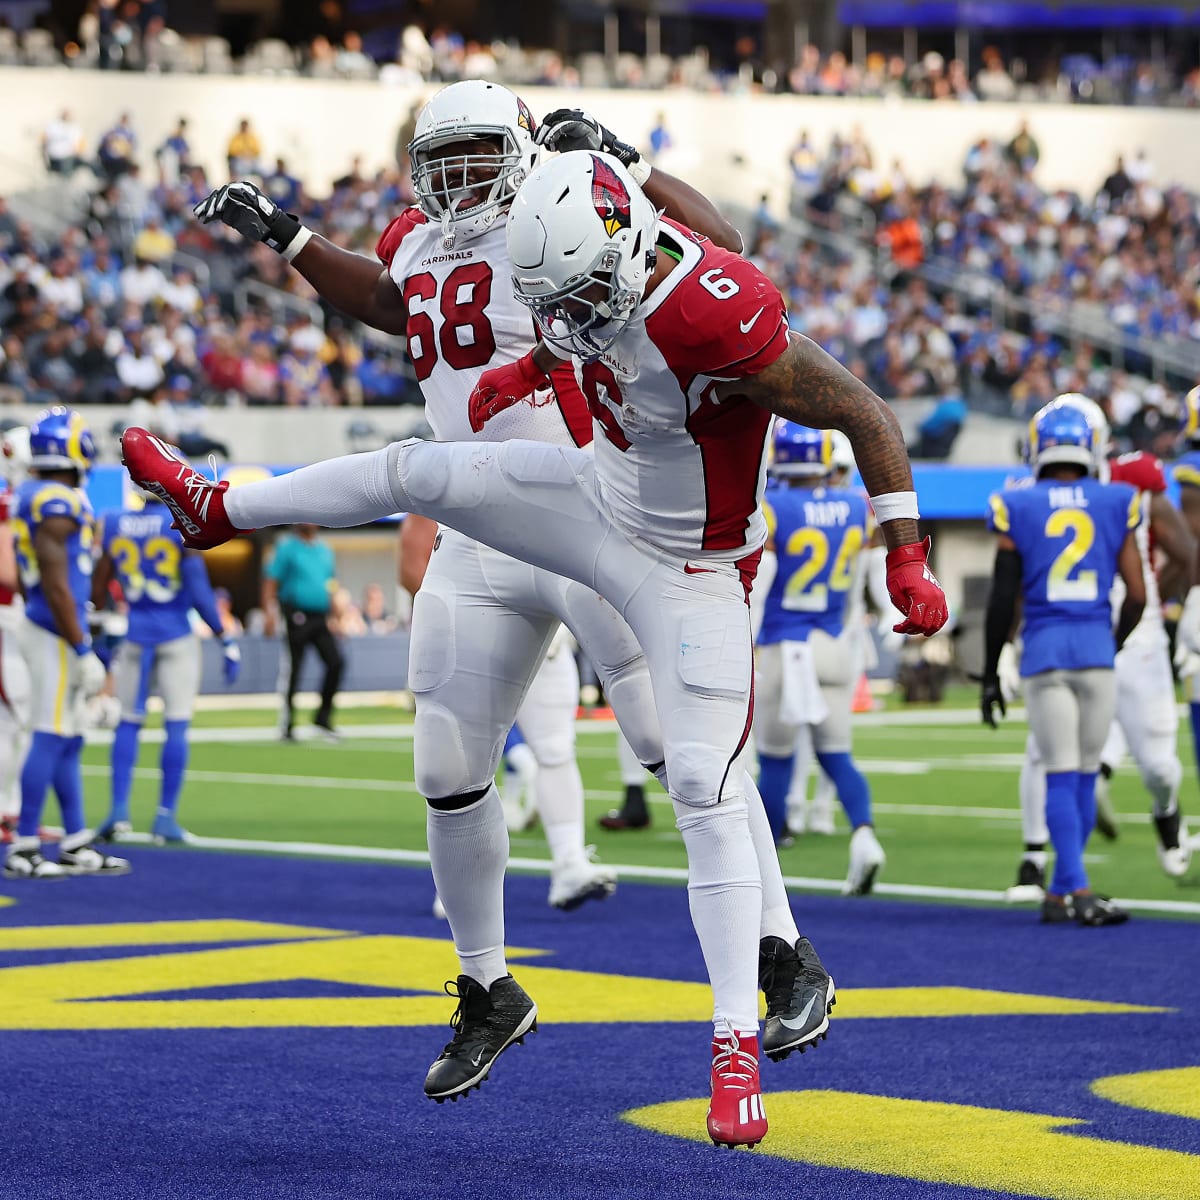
(802, 702)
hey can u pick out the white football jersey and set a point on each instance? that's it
(675, 466)
(1144, 472)
(462, 319)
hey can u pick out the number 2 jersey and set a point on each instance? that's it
(36, 501)
(147, 555)
(1069, 536)
(818, 535)
(464, 318)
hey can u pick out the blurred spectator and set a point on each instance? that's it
(231, 626)
(304, 378)
(244, 151)
(63, 146)
(142, 282)
(283, 187)
(174, 156)
(260, 374)
(350, 59)
(380, 380)
(117, 151)
(153, 244)
(659, 140)
(375, 612)
(936, 434)
(1023, 151)
(992, 81)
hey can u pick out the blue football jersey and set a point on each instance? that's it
(146, 554)
(1069, 536)
(37, 500)
(1186, 472)
(818, 534)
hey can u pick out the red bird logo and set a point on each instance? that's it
(610, 198)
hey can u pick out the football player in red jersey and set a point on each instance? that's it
(483, 620)
(1147, 722)
(683, 351)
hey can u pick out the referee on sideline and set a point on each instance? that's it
(298, 585)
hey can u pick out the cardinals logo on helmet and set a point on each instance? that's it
(610, 197)
(525, 117)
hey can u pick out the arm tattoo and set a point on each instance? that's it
(810, 387)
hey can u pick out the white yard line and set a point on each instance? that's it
(660, 874)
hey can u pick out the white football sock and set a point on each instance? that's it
(633, 774)
(1033, 802)
(559, 794)
(468, 850)
(797, 798)
(725, 898)
(776, 919)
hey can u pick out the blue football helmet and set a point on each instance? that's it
(1064, 432)
(59, 440)
(801, 452)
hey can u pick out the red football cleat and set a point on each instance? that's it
(736, 1116)
(196, 503)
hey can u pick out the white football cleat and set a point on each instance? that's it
(580, 881)
(866, 859)
(1175, 860)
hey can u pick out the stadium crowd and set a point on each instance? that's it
(135, 302)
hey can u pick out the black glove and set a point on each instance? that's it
(991, 697)
(573, 129)
(243, 207)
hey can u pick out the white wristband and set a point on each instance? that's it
(895, 506)
(297, 243)
(640, 170)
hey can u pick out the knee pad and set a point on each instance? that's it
(698, 779)
(1162, 779)
(440, 763)
(431, 653)
(554, 748)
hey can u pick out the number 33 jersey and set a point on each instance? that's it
(462, 319)
(675, 465)
(146, 555)
(1069, 536)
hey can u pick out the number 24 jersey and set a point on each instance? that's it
(1069, 536)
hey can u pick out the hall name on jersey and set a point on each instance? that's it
(826, 512)
(453, 256)
(1068, 497)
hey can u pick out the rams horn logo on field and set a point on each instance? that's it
(610, 198)
(525, 117)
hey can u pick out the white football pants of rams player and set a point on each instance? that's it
(15, 708)
(57, 703)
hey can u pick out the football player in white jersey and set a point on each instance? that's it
(683, 350)
(14, 672)
(484, 620)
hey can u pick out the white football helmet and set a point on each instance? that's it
(467, 193)
(581, 238)
(15, 455)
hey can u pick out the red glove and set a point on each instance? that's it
(914, 590)
(501, 388)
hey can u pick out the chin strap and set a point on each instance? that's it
(447, 229)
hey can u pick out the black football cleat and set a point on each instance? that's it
(486, 1022)
(800, 995)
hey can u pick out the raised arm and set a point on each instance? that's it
(357, 285)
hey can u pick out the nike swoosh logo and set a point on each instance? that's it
(746, 326)
(478, 1058)
(802, 1020)
(690, 570)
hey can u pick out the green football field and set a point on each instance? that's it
(944, 789)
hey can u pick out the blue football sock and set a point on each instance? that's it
(852, 788)
(124, 757)
(1085, 801)
(774, 781)
(1062, 819)
(45, 749)
(174, 763)
(1194, 712)
(68, 784)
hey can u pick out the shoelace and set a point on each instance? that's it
(775, 988)
(732, 1062)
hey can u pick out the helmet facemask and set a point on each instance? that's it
(588, 313)
(467, 193)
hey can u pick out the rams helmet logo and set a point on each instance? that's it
(610, 198)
